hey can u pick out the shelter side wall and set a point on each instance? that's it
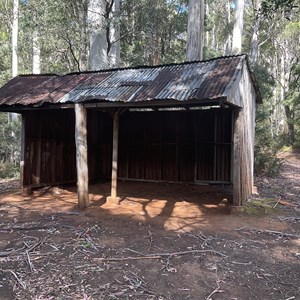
(49, 147)
(244, 138)
(249, 124)
(176, 146)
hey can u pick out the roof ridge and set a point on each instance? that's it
(138, 67)
(38, 75)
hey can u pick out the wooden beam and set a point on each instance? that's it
(39, 155)
(81, 155)
(236, 162)
(113, 199)
(22, 160)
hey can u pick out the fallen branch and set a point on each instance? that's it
(282, 234)
(217, 289)
(159, 255)
(13, 252)
(34, 227)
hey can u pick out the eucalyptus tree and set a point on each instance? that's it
(15, 32)
(195, 30)
(153, 32)
(104, 28)
(237, 32)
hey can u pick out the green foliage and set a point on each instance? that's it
(269, 8)
(9, 145)
(267, 143)
(158, 36)
(9, 170)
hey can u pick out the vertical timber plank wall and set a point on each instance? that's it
(49, 147)
(185, 146)
(243, 151)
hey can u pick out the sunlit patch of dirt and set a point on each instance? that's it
(162, 241)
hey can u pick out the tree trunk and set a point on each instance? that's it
(36, 54)
(195, 30)
(254, 41)
(238, 27)
(15, 30)
(114, 53)
(98, 35)
(284, 89)
(290, 124)
(83, 64)
(229, 35)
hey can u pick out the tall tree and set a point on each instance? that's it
(114, 35)
(238, 27)
(98, 35)
(36, 54)
(103, 17)
(15, 31)
(255, 35)
(195, 30)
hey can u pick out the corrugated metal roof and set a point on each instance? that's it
(196, 80)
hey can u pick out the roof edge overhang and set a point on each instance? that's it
(222, 102)
(254, 81)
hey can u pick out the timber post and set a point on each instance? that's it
(81, 155)
(113, 199)
(25, 191)
(236, 164)
(22, 158)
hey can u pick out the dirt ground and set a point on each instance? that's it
(164, 241)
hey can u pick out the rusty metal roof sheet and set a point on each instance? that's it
(182, 82)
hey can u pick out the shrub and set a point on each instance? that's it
(8, 170)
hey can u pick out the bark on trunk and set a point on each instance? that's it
(36, 54)
(98, 38)
(81, 155)
(238, 27)
(15, 30)
(254, 41)
(229, 36)
(84, 44)
(195, 30)
(114, 53)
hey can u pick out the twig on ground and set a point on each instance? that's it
(241, 263)
(150, 241)
(159, 255)
(39, 243)
(217, 289)
(50, 226)
(29, 261)
(21, 283)
(279, 233)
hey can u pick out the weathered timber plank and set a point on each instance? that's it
(236, 170)
(81, 155)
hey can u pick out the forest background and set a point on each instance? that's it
(51, 36)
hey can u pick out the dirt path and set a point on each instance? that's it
(161, 242)
(287, 185)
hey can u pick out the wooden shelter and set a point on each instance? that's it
(191, 122)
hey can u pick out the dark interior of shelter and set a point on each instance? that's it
(192, 146)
